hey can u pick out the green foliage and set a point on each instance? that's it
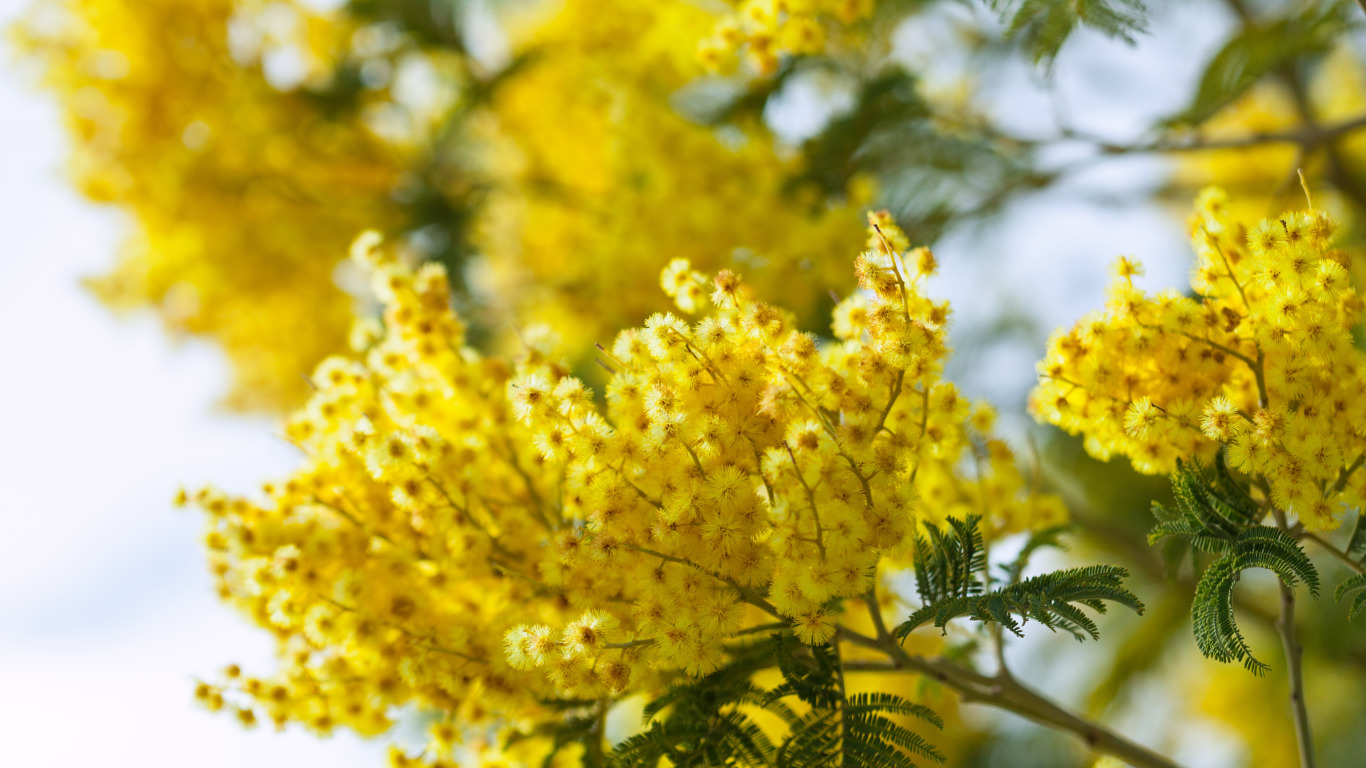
(1356, 582)
(704, 725)
(1216, 515)
(951, 578)
(1212, 507)
(950, 564)
(1356, 546)
(887, 100)
(934, 169)
(703, 722)
(1044, 25)
(435, 23)
(840, 730)
(1216, 633)
(1263, 48)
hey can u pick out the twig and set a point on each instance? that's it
(1006, 693)
(1285, 626)
(1308, 136)
(1341, 556)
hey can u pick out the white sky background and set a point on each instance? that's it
(106, 611)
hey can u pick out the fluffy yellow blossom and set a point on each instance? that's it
(242, 192)
(765, 31)
(1259, 360)
(477, 536)
(600, 183)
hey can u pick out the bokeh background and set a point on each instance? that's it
(108, 612)
(107, 615)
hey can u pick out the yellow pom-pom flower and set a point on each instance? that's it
(1260, 362)
(478, 536)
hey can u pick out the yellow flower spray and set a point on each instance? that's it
(1260, 361)
(478, 536)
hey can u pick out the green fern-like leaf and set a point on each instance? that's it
(1215, 514)
(951, 579)
(1052, 599)
(1211, 507)
(1216, 632)
(704, 725)
(854, 731)
(873, 739)
(948, 563)
(1356, 582)
(810, 674)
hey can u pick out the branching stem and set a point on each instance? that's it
(1285, 626)
(1339, 555)
(1002, 692)
(1309, 135)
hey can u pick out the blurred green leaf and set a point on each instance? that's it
(1356, 546)
(434, 23)
(1356, 583)
(1044, 25)
(933, 168)
(1262, 48)
(1140, 652)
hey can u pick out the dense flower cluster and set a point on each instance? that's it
(236, 186)
(586, 208)
(479, 537)
(1261, 360)
(765, 31)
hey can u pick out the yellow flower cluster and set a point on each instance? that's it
(587, 207)
(237, 188)
(476, 537)
(390, 565)
(1261, 360)
(767, 30)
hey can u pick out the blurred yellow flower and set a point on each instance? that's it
(241, 191)
(599, 183)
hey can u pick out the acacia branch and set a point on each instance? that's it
(1294, 652)
(1285, 626)
(1007, 693)
(1309, 135)
(1338, 554)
